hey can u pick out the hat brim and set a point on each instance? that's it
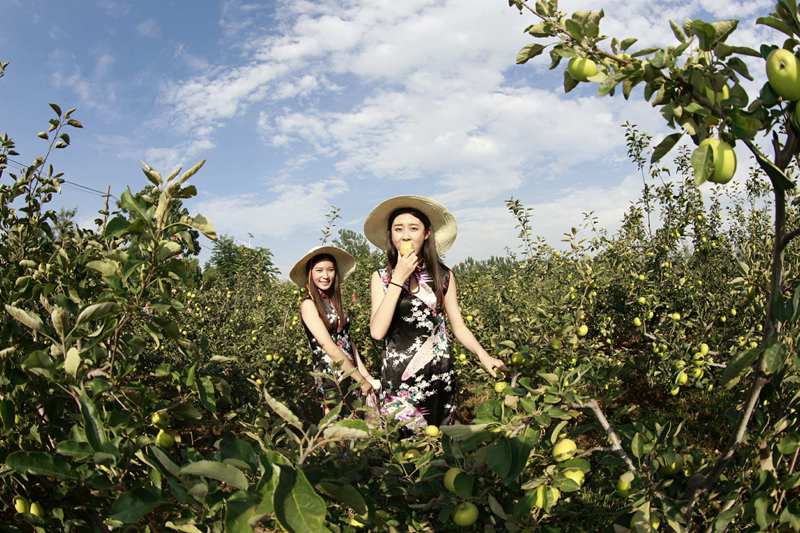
(345, 264)
(442, 221)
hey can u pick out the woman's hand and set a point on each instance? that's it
(492, 364)
(406, 264)
(366, 387)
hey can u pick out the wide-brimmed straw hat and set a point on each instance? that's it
(345, 264)
(442, 221)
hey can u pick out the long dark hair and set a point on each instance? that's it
(334, 293)
(430, 256)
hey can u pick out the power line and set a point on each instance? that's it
(86, 188)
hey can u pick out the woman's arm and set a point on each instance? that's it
(312, 320)
(463, 334)
(383, 301)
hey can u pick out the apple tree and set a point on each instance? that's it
(697, 86)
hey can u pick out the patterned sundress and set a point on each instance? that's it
(417, 380)
(321, 361)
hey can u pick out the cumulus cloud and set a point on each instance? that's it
(148, 28)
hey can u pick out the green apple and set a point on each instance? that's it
(564, 449)
(723, 158)
(583, 329)
(432, 431)
(465, 514)
(783, 72)
(581, 68)
(517, 358)
(704, 349)
(159, 419)
(717, 97)
(165, 439)
(697, 373)
(449, 479)
(411, 454)
(641, 300)
(575, 475)
(555, 344)
(683, 378)
(21, 504)
(624, 483)
(637, 322)
(674, 391)
(543, 493)
(500, 386)
(37, 509)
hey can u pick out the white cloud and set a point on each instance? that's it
(97, 91)
(149, 28)
(288, 209)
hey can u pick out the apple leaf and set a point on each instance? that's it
(529, 52)
(219, 471)
(739, 364)
(40, 464)
(664, 147)
(779, 180)
(27, 318)
(344, 493)
(134, 504)
(776, 23)
(702, 165)
(298, 507)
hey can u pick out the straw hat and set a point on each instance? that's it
(442, 221)
(345, 264)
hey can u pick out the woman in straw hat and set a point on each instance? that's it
(410, 298)
(321, 272)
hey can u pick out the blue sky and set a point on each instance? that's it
(301, 105)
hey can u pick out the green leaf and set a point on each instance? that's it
(789, 444)
(677, 31)
(72, 362)
(201, 224)
(724, 519)
(239, 513)
(569, 82)
(761, 505)
(779, 180)
(664, 147)
(499, 458)
(27, 318)
(167, 250)
(78, 450)
(132, 205)
(96, 312)
(131, 506)
(739, 66)
(497, 508)
(787, 517)
(627, 43)
(298, 507)
(56, 109)
(343, 431)
(95, 431)
(344, 493)
(117, 226)
(282, 411)
(40, 464)
(106, 267)
(637, 446)
(739, 364)
(205, 389)
(702, 164)
(777, 24)
(529, 52)
(240, 451)
(191, 172)
(219, 471)
(772, 360)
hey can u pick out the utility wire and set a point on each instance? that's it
(86, 188)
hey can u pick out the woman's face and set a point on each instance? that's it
(406, 228)
(323, 274)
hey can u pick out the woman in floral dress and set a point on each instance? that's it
(410, 298)
(321, 272)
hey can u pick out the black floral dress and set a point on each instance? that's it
(322, 362)
(417, 379)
